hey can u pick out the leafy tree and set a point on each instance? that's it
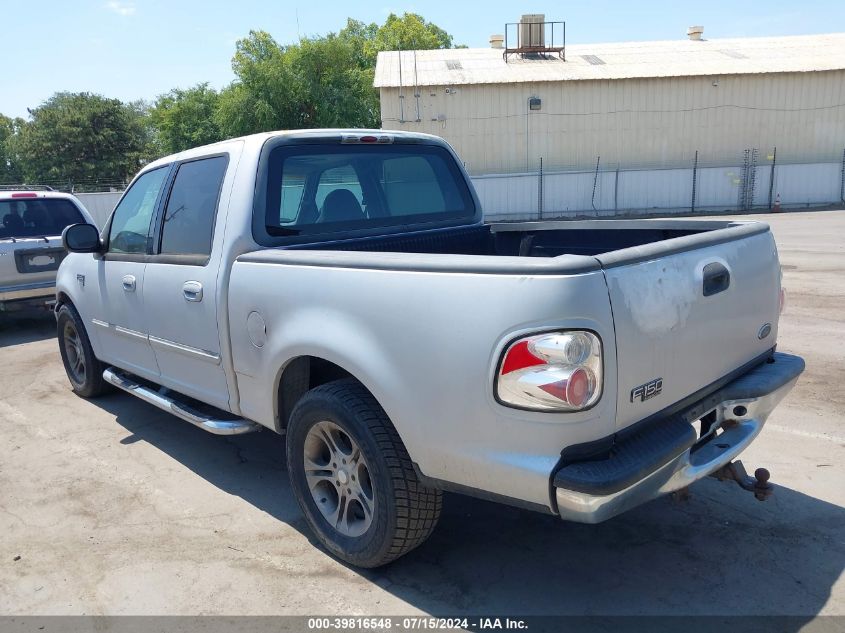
(264, 96)
(82, 137)
(183, 119)
(318, 82)
(10, 168)
(410, 32)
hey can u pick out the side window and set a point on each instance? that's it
(411, 186)
(190, 212)
(293, 187)
(130, 225)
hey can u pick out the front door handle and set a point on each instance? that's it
(192, 291)
(129, 283)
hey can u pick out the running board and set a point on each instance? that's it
(163, 400)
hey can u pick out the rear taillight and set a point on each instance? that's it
(556, 371)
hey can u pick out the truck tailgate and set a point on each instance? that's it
(689, 312)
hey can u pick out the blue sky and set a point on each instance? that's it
(137, 49)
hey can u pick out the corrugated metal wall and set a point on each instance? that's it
(99, 205)
(657, 191)
(630, 123)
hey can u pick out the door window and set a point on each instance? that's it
(190, 212)
(130, 225)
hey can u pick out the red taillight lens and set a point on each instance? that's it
(520, 357)
(574, 390)
(24, 195)
(559, 371)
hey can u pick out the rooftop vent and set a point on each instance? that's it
(453, 64)
(595, 60)
(532, 30)
(497, 41)
(532, 38)
(695, 32)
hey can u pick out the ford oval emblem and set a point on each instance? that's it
(764, 331)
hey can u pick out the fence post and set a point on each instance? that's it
(595, 181)
(540, 192)
(772, 175)
(842, 179)
(694, 176)
(616, 191)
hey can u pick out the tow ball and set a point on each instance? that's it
(759, 484)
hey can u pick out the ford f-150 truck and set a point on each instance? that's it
(31, 225)
(340, 287)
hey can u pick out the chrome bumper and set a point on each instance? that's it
(698, 461)
(39, 290)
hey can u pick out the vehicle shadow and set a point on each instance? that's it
(26, 326)
(719, 553)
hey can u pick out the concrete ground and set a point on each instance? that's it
(117, 508)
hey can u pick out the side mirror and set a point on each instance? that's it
(81, 238)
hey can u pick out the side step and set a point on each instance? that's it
(163, 400)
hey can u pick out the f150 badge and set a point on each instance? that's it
(648, 390)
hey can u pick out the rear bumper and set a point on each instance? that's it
(667, 455)
(36, 292)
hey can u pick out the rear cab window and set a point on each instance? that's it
(321, 188)
(37, 217)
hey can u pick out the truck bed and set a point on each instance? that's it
(543, 238)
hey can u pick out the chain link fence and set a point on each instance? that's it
(752, 180)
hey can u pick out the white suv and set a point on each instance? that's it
(31, 225)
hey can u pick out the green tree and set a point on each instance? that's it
(264, 95)
(318, 82)
(409, 32)
(182, 119)
(83, 137)
(10, 168)
(322, 81)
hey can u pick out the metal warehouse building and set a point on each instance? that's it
(634, 125)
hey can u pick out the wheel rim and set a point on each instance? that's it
(338, 478)
(74, 353)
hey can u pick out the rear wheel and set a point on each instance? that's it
(83, 369)
(353, 478)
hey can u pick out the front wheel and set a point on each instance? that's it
(353, 478)
(83, 369)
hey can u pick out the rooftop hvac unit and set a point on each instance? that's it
(532, 30)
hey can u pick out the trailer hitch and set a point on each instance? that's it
(759, 484)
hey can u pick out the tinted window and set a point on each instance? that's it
(338, 178)
(130, 225)
(190, 212)
(325, 188)
(293, 186)
(37, 217)
(411, 186)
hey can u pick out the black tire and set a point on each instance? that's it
(405, 512)
(83, 369)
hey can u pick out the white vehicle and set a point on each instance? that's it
(31, 225)
(340, 287)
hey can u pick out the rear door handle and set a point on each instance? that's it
(192, 291)
(717, 278)
(129, 283)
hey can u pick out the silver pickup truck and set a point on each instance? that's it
(340, 287)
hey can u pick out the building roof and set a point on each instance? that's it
(627, 60)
